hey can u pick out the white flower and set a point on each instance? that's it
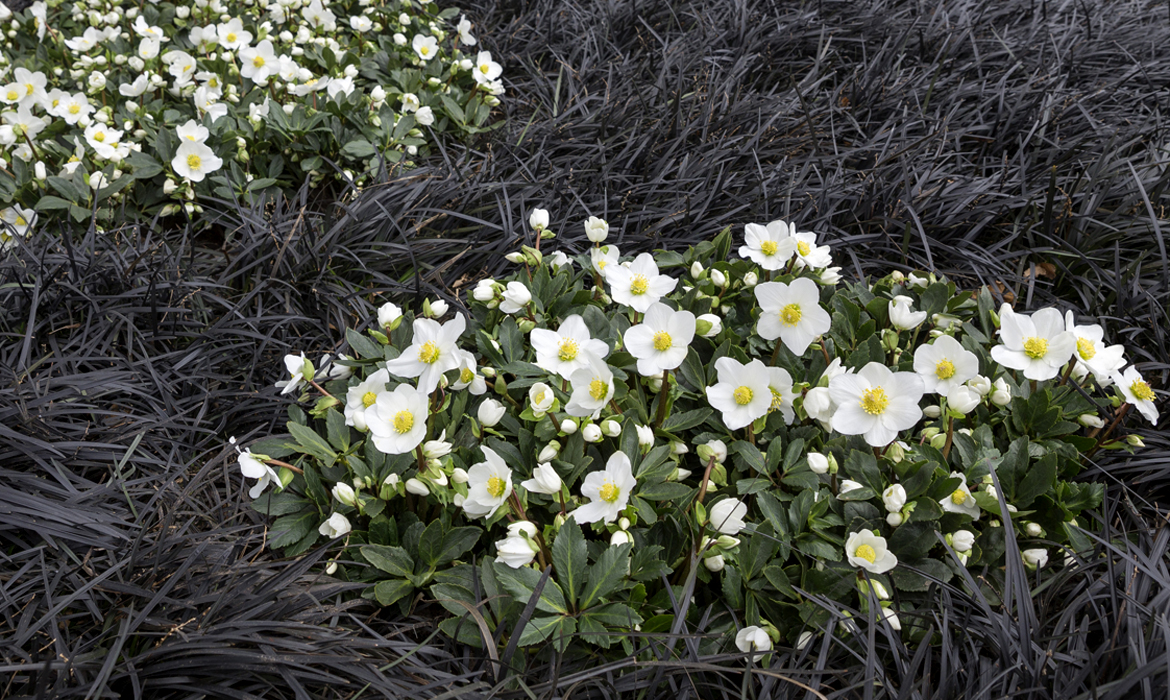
(486, 70)
(194, 161)
(431, 353)
(979, 383)
(1035, 558)
(742, 392)
(388, 313)
(780, 384)
(818, 404)
(848, 485)
(1102, 360)
(232, 34)
(961, 500)
(489, 483)
(830, 276)
(344, 493)
(591, 433)
(540, 398)
(516, 297)
(103, 140)
(1134, 390)
(645, 435)
(770, 247)
(253, 467)
(808, 253)
(714, 325)
(425, 116)
(469, 378)
(902, 313)
(718, 278)
(714, 564)
(753, 640)
(192, 132)
(336, 526)
(597, 230)
(398, 419)
(660, 342)
(299, 368)
(362, 396)
(73, 107)
(868, 551)
(727, 516)
(891, 617)
(490, 412)
(1036, 344)
(639, 285)
(568, 349)
(894, 498)
(544, 480)
(963, 399)
(1090, 420)
(608, 491)
(515, 551)
(876, 403)
(713, 449)
(818, 463)
(604, 258)
(464, 29)
(136, 88)
(360, 24)
(558, 258)
(427, 47)
(410, 103)
(592, 388)
(792, 313)
(1001, 394)
(259, 62)
(963, 540)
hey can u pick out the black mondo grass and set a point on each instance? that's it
(1018, 145)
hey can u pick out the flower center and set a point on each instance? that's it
(874, 401)
(403, 422)
(539, 398)
(495, 486)
(258, 62)
(20, 221)
(959, 497)
(484, 68)
(945, 369)
(193, 162)
(369, 399)
(777, 400)
(30, 88)
(1142, 391)
(743, 395)
(768, 247)
(99, 136)
(1086, 349)
(568, 351)
(74, 108)
(231, 37)
(865, 552)
(662, 341)
(13, 95)
(466, 375)
(598, 389)
(1036, 348)
(790, 314)
(803, 247)
(639, 284)
(425, 50)
(601, 264)
(609, 492)
(429, 352)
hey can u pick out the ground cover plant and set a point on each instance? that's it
(132, 562)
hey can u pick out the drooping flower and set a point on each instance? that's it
(792, 313)
(489, 484)
(608, 491)
(742, 392)
(639, 285)
(770, 247)
(727, 516)
(255, 467)
(660, 342)
(592, 388)
(753, 640)
(869, 551)
(568, 349)
(516, 298)
(961, 500)
(300, 369)
(902, 313)
(195, 160)
(431, 352)
(1135, 391)
(780, 384)
(1035, 558)
(544, 480)
(515, 550)
(1037, 344)
(1102, 360)
(398, 419)
(894, 498)
(876, 403)
(336, 526)
(362, 396)
(944, 365)
(464, 29)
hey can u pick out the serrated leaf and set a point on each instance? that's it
(606, 574)
(393, 560)
(780, 582)
(678, 422)
(521, 583)
(312, 443)
(750, 455)
(275, 504)
(364, 347)
(457, 542)
(337, 429)
(290, 529)
(570, 559)
(665, 491)
(391, 591)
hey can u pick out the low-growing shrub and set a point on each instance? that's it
(606, 438)
(145, 110)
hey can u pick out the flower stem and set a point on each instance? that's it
(1121, 413)
(662, 396)
(320, 389)
(825, 352)
(422, 460)
(1068, 372)
(706, 477)
(946, 450)
(286, 465)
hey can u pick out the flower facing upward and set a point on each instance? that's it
(660, 342)
(961, 500)
(489, 483)
(608, 491)
(259, 62)
(486, 70)
(808, 253)
(792, 313)
(592, 389)
(868, 551)
(1092, 352)
(1134, 390)
(232, 34)
(945, 365)
(427, 47)
(568, 349)
(604, 259)
(431, 353)
(1037, 344)
(639, 285)
(742, 393)
(876, 403)
(770, 247)
(362, 396)
(780, 384)
(192, 132)
(397, 421)
(194, 161)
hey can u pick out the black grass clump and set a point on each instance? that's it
(1019, 145)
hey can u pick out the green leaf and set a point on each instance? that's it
(678, 422)
(749, 454)
(511, 340)
(51, 203)
(906, 580)
(692, 371)
(393, 560)
(521, 583)
(614, 615)
(275, 503)
(358, 149)
(780, 582)
(453, 108)
(1039, 478)
(934, 298)
(655, 465)
(606, 574)
(338, 430)
(291, 529)
(389, 592)
(365, 348)
(665, 491)
(145, 167)
(862, 466)
(312, 443)
(570, 559)
(430, 544)
(66, 189)
(457, 542)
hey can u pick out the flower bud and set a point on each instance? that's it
(620, 537)
(1035, 558)
(345, 494)
(645, 435)
(390, 316)
(438, 309)
(568, 426)
(938, 441)
(490, 412)
(714, 564)
(1001, 394)
(549, 452)
(1090, 420)
(417, 487)
(515, 257)
(718, 278)
(538, 219)
(596, 229)
(611, 428)
(896, 452)
(679, 448)
(459, 475)
(894, 519)
(708, 325)
(1033, 530)
(750, 280)
(696, 269)
(818, 404)
(894, 498)
(727, 542)
(818, 463)
(963, 399)
(1134, 441)
(591, 433)
(981, 384)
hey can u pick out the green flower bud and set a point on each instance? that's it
(938, 441)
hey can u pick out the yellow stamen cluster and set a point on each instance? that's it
(1142, 391)
(1036, 348)
(194, 161)
(568, 350)
(369, 399)
(495, 487)
(945, 369)
(598, 389)
(429, 352)
(790, 314)
(74, 108)
(777, 401)
(768, 247)
(258, 62)
(1086, 348)
(803, 247)
(662, 341)
(231, 37)
(874, 401)
(609, 492)
(466, 375)
(959, 497)
(743, 395)
(403, 422)
(538, 398)
(865, 552)
(639, 285)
